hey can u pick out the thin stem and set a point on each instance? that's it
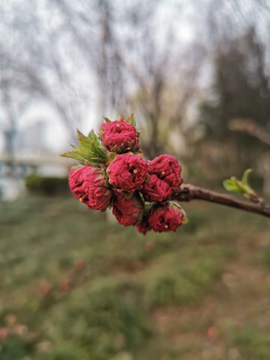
(188, 192)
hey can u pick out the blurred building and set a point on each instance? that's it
(32, 153)
(32, 138)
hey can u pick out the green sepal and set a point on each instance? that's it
(113, 150)
(129, 119)
(106, 119)
(142, 198)
(139, 152)
(112, 155)
(106, 183)
(120, 117)
(133, 122)
(176, 204)
(150, 204)
(148, 178)
(185, 221)
(127, 195)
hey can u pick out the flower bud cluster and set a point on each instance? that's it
(139, 191)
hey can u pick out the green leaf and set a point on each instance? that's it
(87, 163)
(232, 185)
(96, 149)
(245, 176)
(239, 183)
(249, 190)
(84, 141)
(89, 150)
(92, 136)
(73, 155)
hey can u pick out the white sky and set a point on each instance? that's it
(192, 12)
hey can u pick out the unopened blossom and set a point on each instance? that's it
(88, 185)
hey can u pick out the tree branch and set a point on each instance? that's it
(188, 192)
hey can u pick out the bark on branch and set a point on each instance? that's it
(189, 192)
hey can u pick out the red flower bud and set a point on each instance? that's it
(143, 227)
(165, 179)
(128, 172)
(119, 136)
(166, 217)
(88, 185)
(127, 211)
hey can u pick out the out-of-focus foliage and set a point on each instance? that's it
(240, 91)
(75, 287)
(45, 185)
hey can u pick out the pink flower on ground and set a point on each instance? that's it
(64, 286)
(212, 332)
(88, 185)
(3, 332)
(127, 211)
(79, 264)
(149, 246)
(165, 179)
(166, 217)
(119, 136)
(45, 289)
(128, 172)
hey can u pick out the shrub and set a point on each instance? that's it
(49, 186)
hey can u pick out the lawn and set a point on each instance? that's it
(75, 286)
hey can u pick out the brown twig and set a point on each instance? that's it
(251, 128)
(189, 192)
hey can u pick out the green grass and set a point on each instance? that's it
(106, 309)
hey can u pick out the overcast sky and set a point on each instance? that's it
(191, 18)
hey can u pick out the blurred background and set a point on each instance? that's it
(76, 285)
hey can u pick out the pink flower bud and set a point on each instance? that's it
(128, 172)
(143, 227)
(119, 136)
(127, 211)
(166, 217)
(88, 185)
(165, 179)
